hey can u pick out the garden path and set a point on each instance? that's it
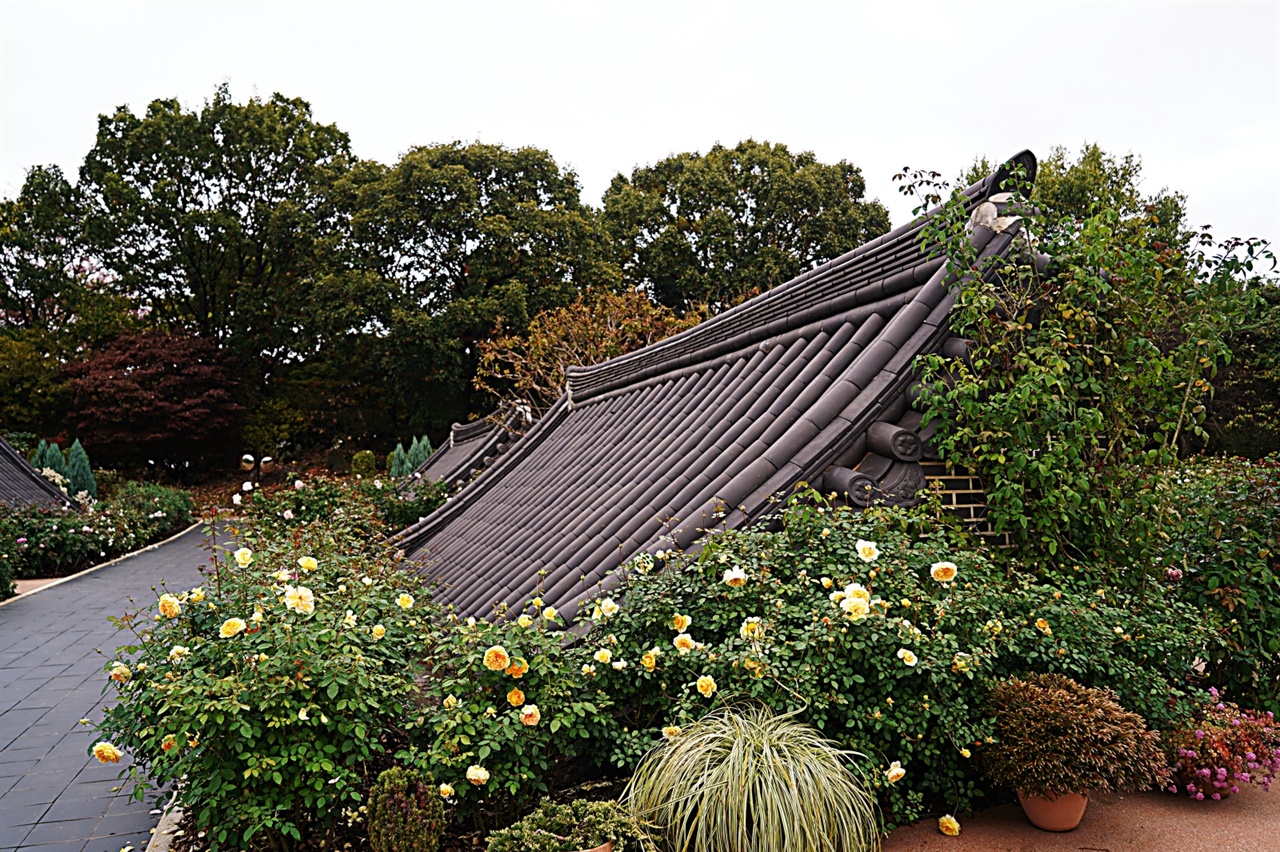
(53, 796)
(1248, 821)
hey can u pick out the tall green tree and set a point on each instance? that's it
(214, 221)
(470, 238)
(716, 227)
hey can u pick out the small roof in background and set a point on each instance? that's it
(808, 382)
(472, 447)
(21, 486)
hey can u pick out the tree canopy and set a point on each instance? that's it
(714, 228)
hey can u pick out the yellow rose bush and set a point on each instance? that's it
(882, 629)
(278, 687)
(506, 694)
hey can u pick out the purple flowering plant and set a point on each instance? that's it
(1223, 747)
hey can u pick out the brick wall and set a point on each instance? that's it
(962, 495)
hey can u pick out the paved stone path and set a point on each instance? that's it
(53, 796)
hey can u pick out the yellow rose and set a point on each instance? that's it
(855, 608)
(477, 775)
(649, 660)
(895, 773)
(684, 643)
(231, 627)
(948, 826)
(168, 742)
(751, 629)
(604, 655)
(196, 595)
(450, 702)
(944, 572)
(681, 623)
(589, 670)
(107, 753)
(1043, 627)
(177, 652)
(446, 791)
(379, 631)
(307, 563)
(670, 732)
(707, 686)
(735, 578)
(349, 620)
(120, 673)
(524, 620)
(518, 668)
(608, 608)
(867, 550)
(405, 601)
(496, 658)
(550, 613)
(537, 602)
(300, 599)
(964, 752)
(169, 606)
(515, 697)
(530, 715)
(244, 557)
(907, 657)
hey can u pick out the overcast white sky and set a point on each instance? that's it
(1193, 88)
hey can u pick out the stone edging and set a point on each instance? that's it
(162, 834)
(90, 570)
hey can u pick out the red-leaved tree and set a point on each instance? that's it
(156, 398)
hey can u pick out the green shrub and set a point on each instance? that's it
(364, 464)
(571, 827)
(50, 457)
(419, 452)
(508, 706)
(8, 588)
(274, 692)
(842, 617)
(397, 462)
(38, 543)
(1083, 376)
(1220, 526)
(405, 812)
(79, 472)
(370, 506)
(747, 779)
(1054, 737)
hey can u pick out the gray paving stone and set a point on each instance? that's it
(54, 646)
(12, 835)
(39, 795)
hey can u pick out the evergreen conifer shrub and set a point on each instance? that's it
(405, 812)
(80, 473)
(398, 462)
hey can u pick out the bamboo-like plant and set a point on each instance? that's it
(746, 780)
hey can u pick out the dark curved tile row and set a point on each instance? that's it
(471, 448)
(21, 486)
(705, 429)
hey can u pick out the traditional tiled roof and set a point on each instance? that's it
(808, 382)
(472, 447)
(21, 486)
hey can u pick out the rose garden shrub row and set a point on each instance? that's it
(1220, 526)
(55, 543)
(308, 662)
(883, 629)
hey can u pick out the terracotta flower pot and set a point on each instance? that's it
(1057, 813)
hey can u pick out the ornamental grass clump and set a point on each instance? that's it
(746, 780)
(1222, 747)
(406, 813)
(1055, 737)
